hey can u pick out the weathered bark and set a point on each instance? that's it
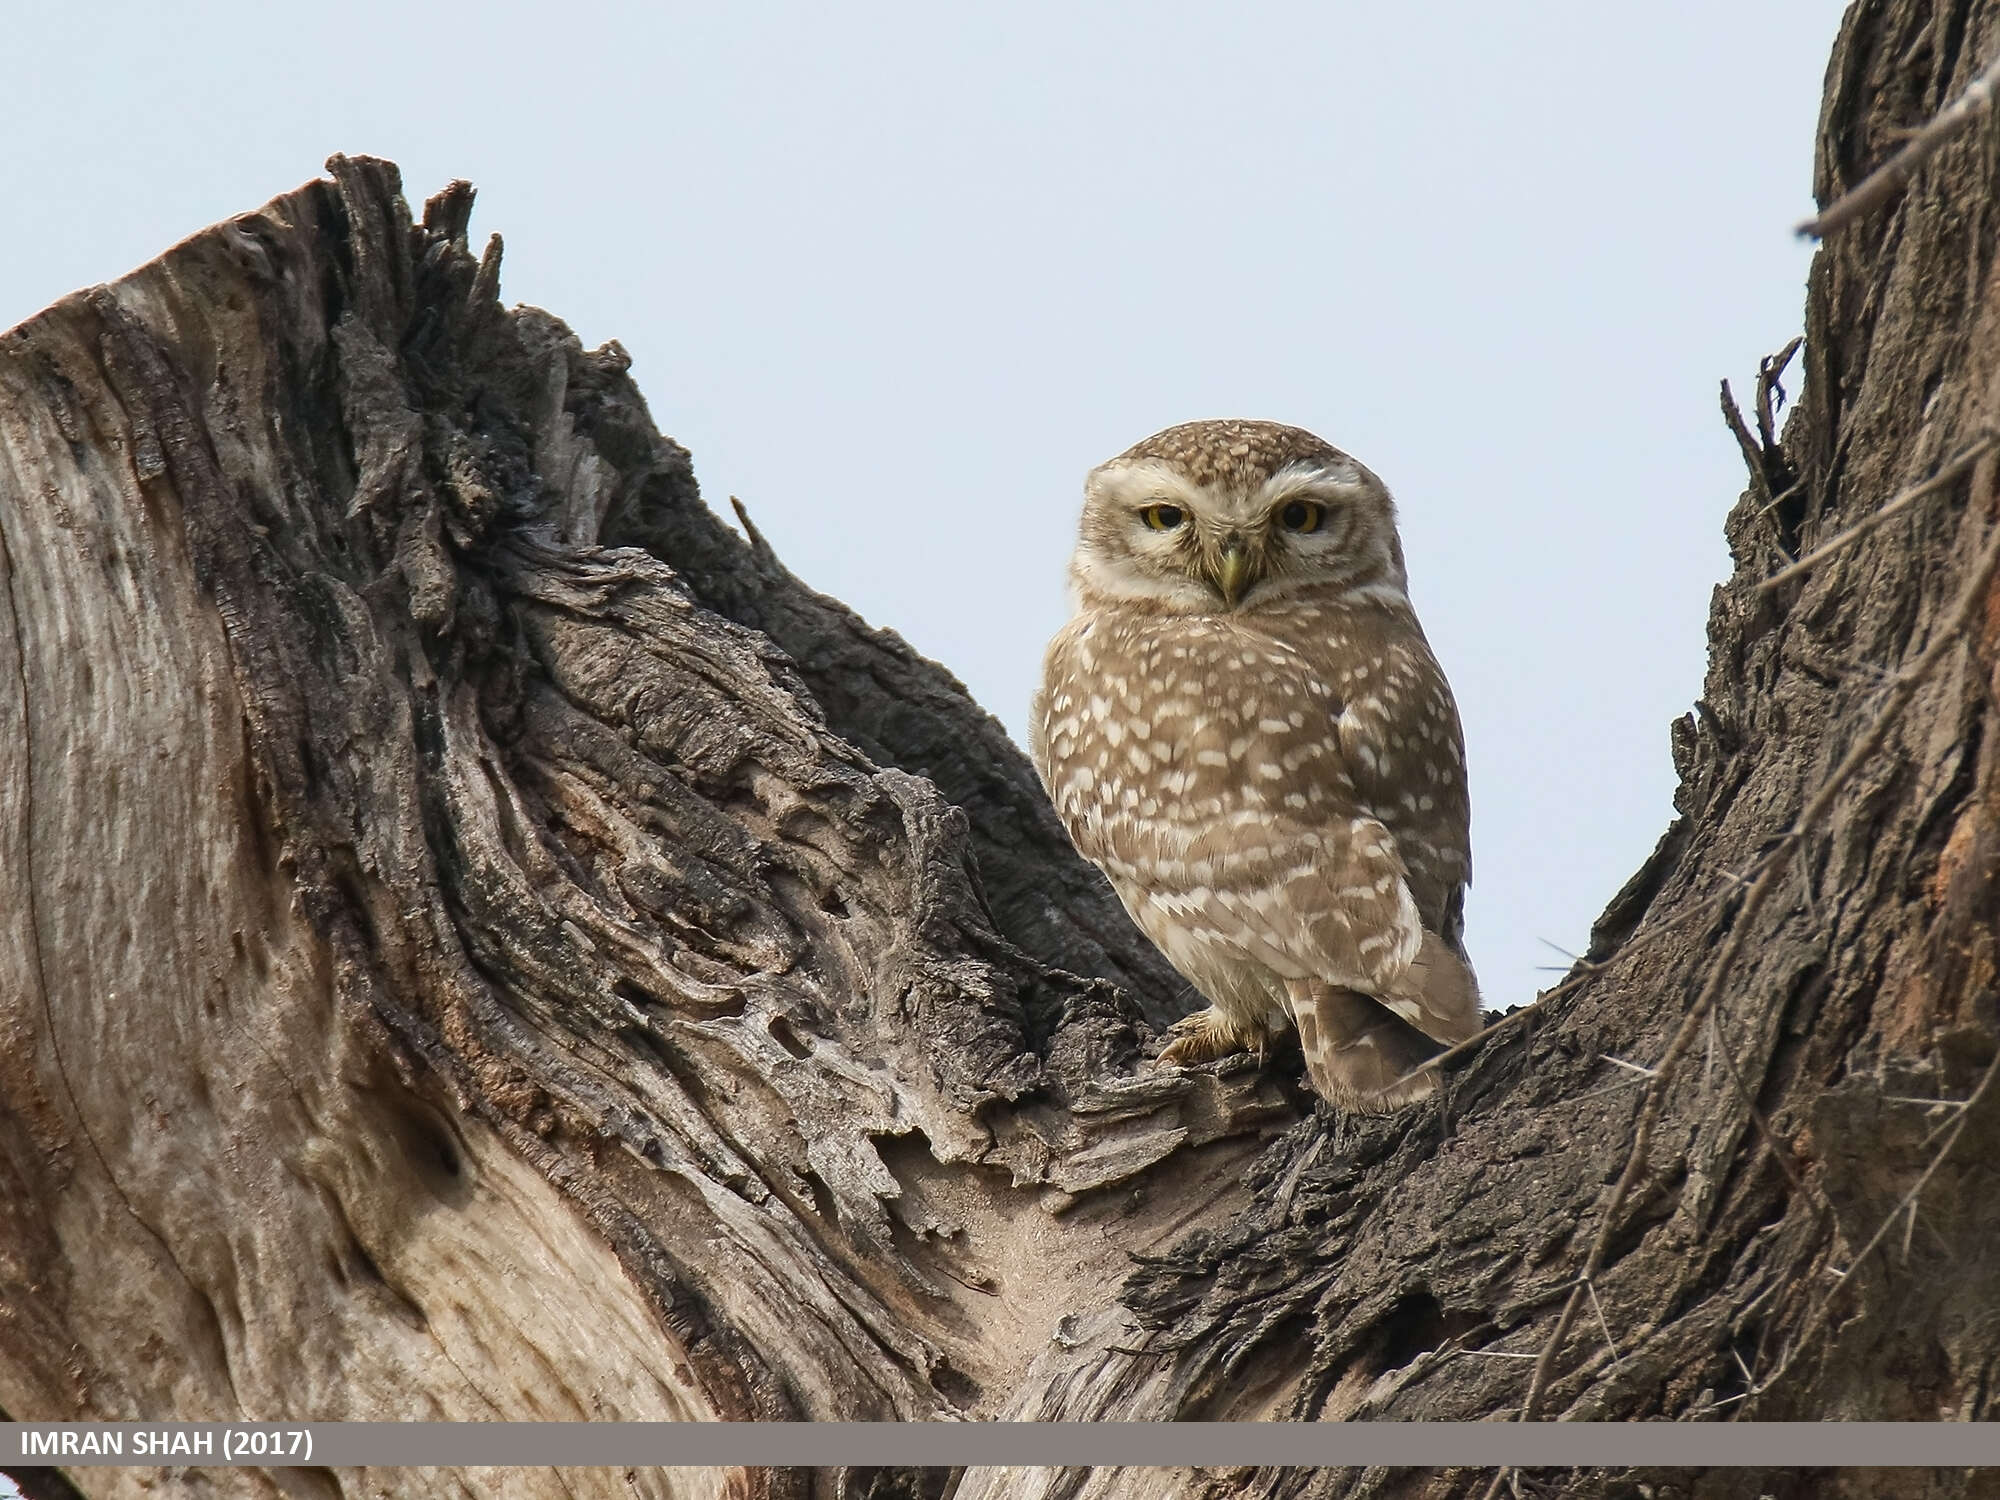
(478, 938)
(457, 971)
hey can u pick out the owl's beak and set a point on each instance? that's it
(1234, 573)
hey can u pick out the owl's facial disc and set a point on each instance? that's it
(1156, 534)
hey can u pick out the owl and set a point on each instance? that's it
(1244, 728)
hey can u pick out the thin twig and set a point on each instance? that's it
(1882, 184)
(1902, 689)
(1753, 456)
(1888, 511)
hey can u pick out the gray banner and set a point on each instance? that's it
(1085, 1444)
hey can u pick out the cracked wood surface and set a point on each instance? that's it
(458, 972)
(478, 937)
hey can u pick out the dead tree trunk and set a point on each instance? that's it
(479, 939)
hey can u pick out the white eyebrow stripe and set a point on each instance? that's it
(1143, 481)
(1303, 477)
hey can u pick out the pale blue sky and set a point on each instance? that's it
(897, 275)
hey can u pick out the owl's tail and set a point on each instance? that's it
(1438, 993)
(1359, 1053)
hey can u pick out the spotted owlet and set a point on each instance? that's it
(1244, 727)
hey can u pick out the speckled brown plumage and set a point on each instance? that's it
(1232, 451)
(1244, 727)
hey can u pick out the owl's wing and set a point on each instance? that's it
(1403, 750)
(1368, 935)
(1328, 904)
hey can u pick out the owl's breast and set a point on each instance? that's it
(1154, 727)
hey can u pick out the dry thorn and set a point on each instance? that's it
(981, 1285)
(1621, 1086)
(1762, 455)
(1640, 1069)
(1806, 892)
(1949, 1120)
(1771, 1288)
(1782, 496)
(1604, 1323)
(1749, 1380)
(1882, 184)
(1933, 1103)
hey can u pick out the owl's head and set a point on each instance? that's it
(1213, 517)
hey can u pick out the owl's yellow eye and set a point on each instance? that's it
(1163, 517)
(1302, 515)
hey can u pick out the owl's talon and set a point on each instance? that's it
(1200, 1038)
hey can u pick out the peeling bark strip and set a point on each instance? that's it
(480, 938)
